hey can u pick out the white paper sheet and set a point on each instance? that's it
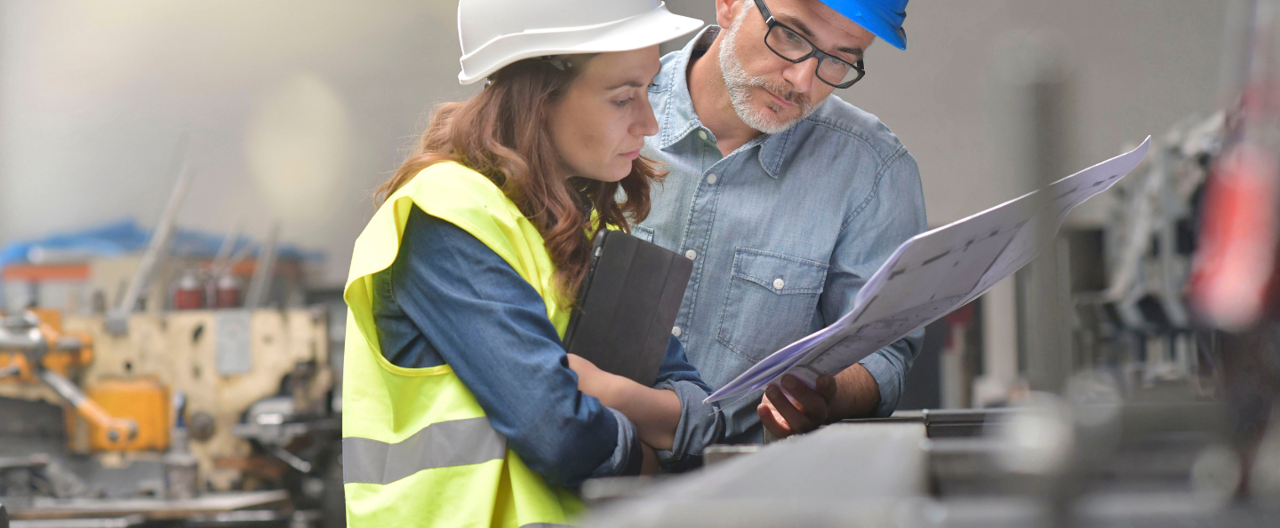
(932, 274)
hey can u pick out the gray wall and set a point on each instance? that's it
(1139, 66)
(93, 96)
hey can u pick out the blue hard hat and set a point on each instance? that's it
(881, 17)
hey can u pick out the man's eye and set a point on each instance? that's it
(791, 36)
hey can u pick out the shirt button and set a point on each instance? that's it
(778, 284)
(702, 134)
(711, 179)
(691, 254)
(675, 331)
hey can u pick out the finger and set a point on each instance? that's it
(827, 388)
(796, 420)
(771, 420)
(811, 403)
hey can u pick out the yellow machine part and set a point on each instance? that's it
(144, 399)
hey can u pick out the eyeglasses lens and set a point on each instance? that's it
(791, 46)
(787, 43)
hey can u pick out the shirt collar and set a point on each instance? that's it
(679, 118)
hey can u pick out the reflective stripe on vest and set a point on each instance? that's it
(418, 450)
(441, 444)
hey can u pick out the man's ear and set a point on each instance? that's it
(726, 11)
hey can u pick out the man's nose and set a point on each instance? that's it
(801, 75)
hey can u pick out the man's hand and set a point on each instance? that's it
(851, 393)
(810, 409)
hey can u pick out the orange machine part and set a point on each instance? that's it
(8, 359)
(63, 361)
(143, 399)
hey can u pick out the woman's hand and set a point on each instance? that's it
(656, 413)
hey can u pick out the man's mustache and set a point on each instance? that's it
(784, 92)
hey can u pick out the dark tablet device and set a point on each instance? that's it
(627, 305)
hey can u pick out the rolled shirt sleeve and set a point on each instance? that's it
(474, 312)
(701, 424)
(897, 207)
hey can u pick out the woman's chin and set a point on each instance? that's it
(612, 175)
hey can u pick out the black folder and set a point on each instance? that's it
(627, 305)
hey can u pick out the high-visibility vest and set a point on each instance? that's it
(417, 449)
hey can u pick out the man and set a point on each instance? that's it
(786, 199)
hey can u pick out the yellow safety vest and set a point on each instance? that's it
(417, 449)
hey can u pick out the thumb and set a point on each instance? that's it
(826, 387)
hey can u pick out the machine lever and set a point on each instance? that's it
(293, 460)
(118, 429)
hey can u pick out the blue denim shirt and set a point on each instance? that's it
(448, 298)
(783, 231)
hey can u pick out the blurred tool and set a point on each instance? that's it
(1136, 319)
(1235, 268)
(33, 349)
(1235, 281)
(158, 250)
(181, 468)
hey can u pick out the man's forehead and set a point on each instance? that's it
(834, 29)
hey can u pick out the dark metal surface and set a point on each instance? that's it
(837, 476)
(1144, 465)
(103, 522)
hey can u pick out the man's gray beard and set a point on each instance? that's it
(740, 84)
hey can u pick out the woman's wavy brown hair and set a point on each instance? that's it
(502, 133)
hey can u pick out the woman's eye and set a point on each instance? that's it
(623, 102)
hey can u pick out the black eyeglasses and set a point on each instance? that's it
(793, 47)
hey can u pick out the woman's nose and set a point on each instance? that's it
(647, 124)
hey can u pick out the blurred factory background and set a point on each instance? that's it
(263, 128)
(297, 110)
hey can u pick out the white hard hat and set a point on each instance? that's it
(496, 33)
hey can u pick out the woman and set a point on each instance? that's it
(460, 406)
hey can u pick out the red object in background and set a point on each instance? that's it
(188, 295)
(1235, 264)
(227, 292)
(962, 317)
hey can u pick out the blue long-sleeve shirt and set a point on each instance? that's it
(449, 299)
(783, 232)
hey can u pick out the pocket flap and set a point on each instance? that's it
(781, 274)
(641, 232)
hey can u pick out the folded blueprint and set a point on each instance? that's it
(933, 274)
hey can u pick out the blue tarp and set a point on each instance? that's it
(126, 236)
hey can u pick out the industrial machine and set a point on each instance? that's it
(187, 415)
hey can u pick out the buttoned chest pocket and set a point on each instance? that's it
(644, 233)
(770, 303)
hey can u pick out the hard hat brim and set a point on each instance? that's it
(880, 20)
(641, 31)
